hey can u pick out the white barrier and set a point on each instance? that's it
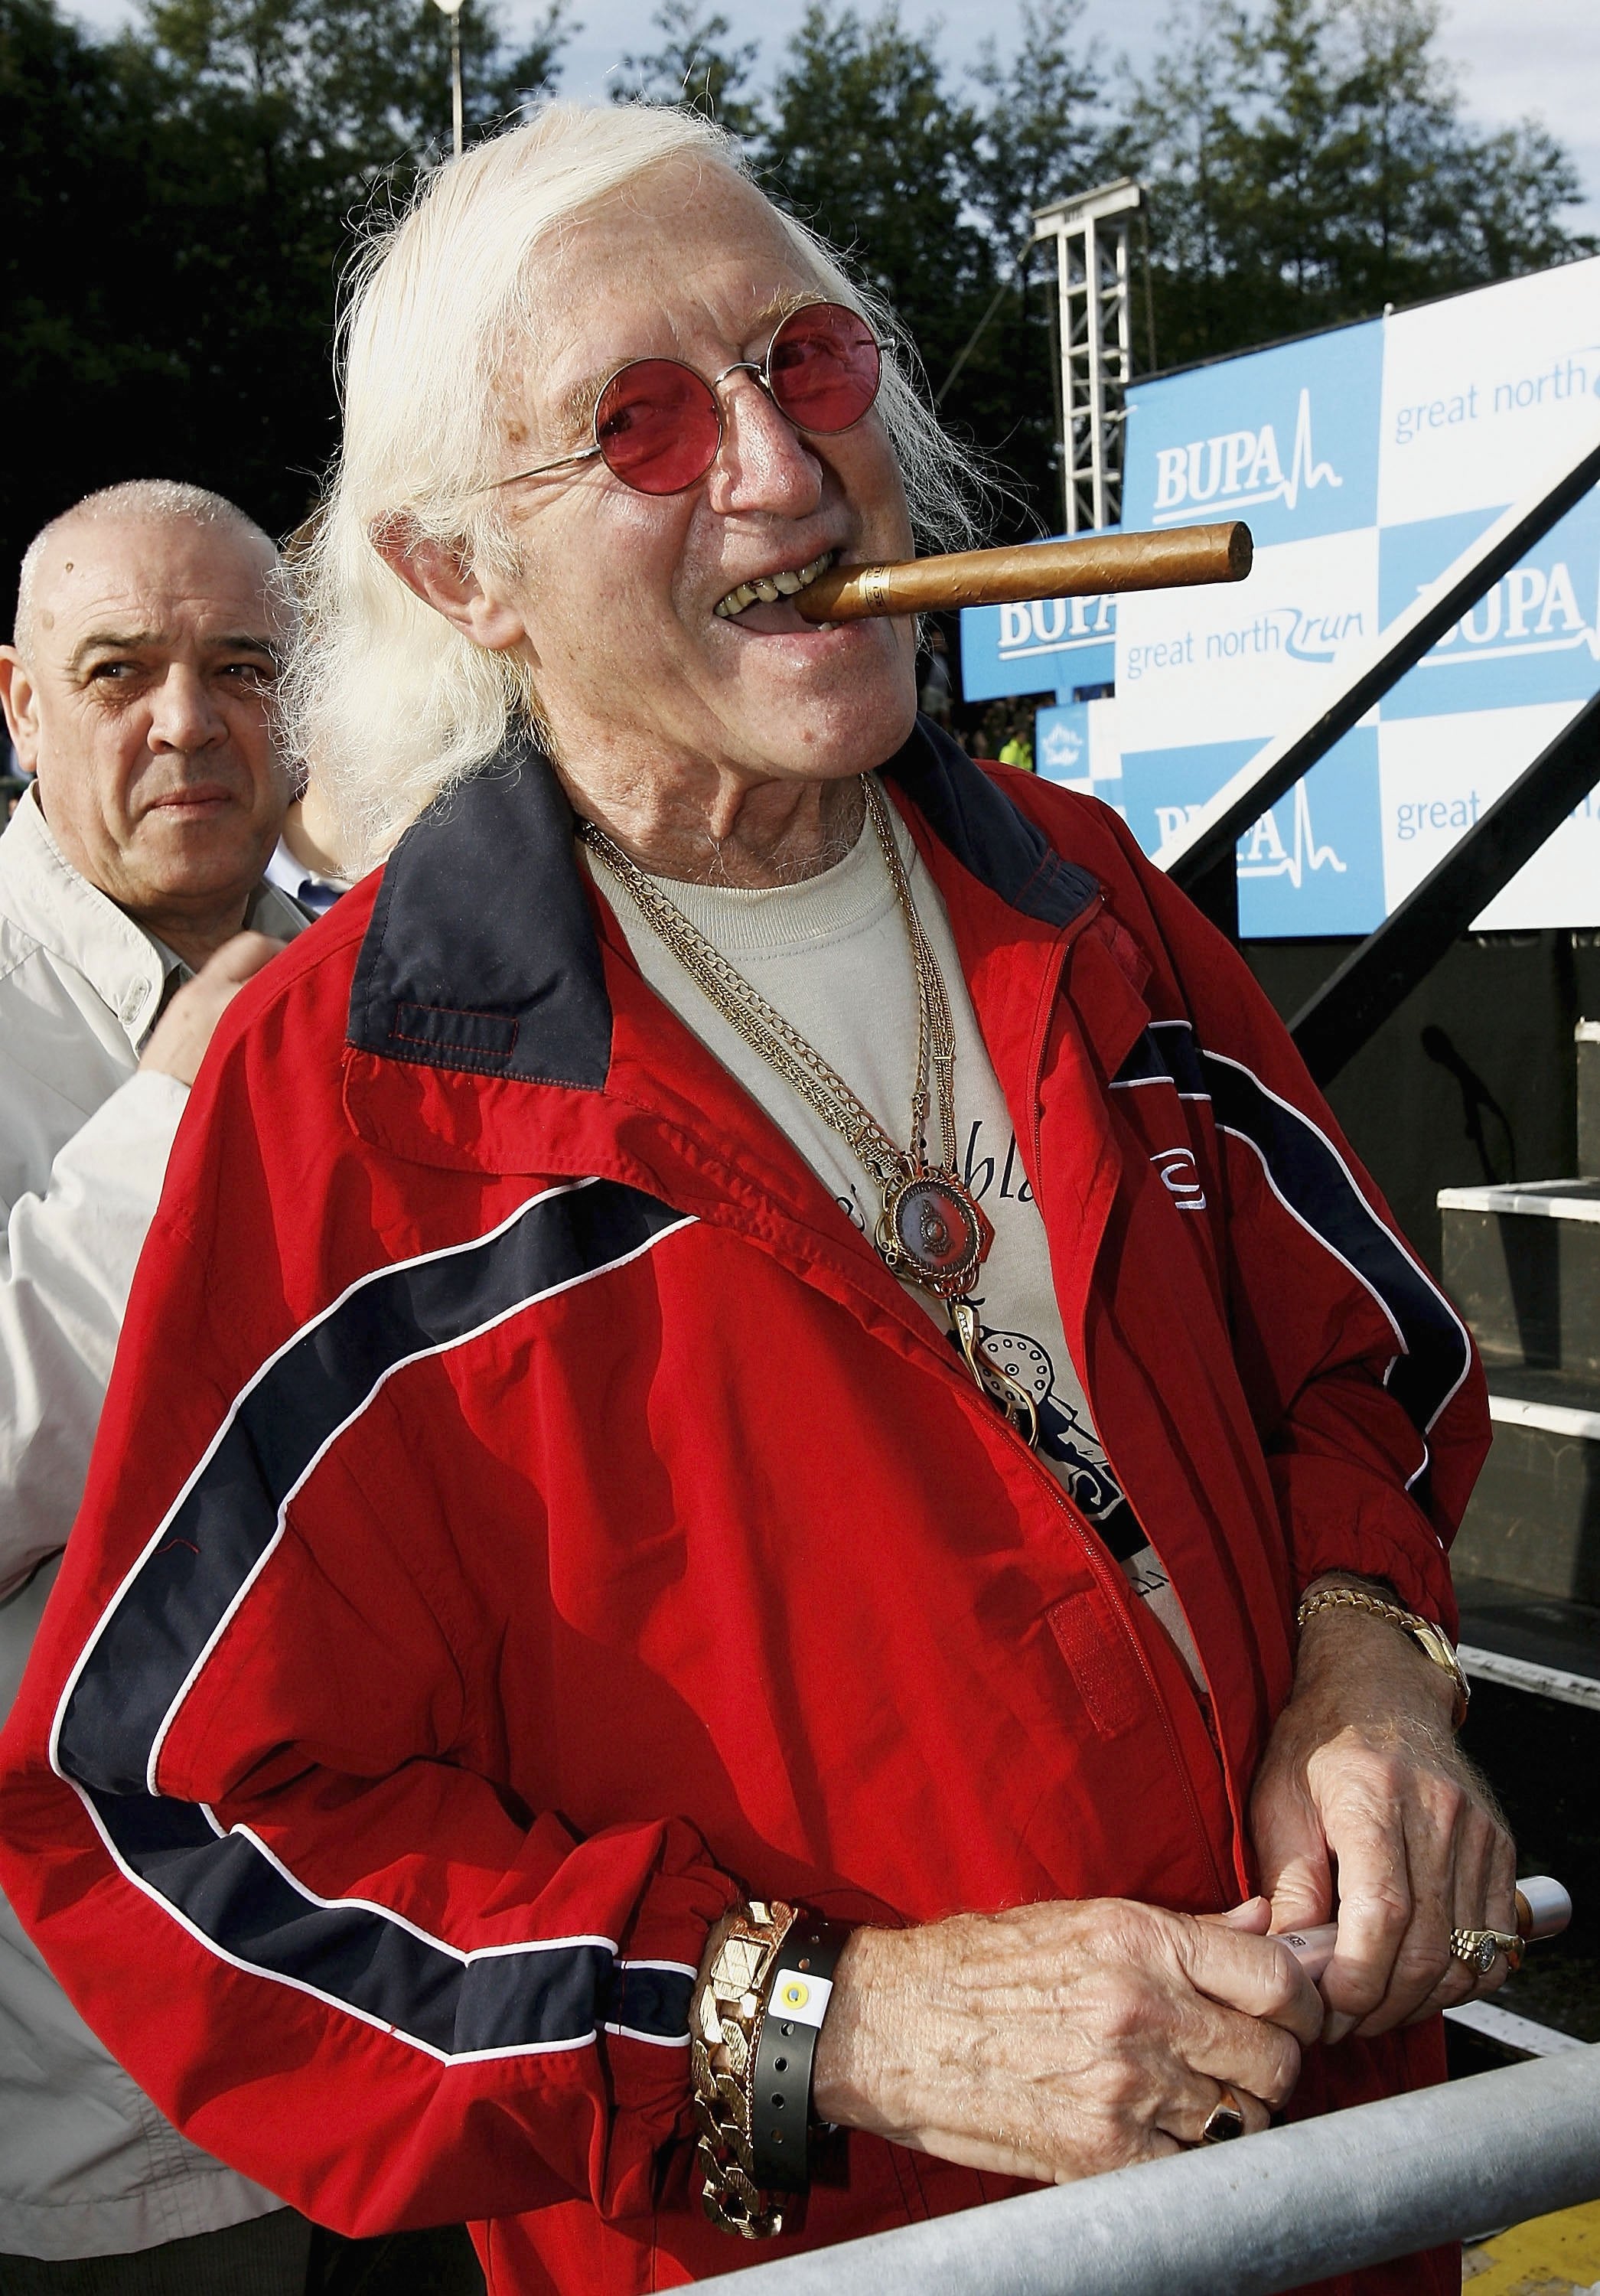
(1261, 2215)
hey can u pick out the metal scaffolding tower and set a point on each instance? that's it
(1092, 237)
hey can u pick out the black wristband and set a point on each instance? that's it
(780, 2120)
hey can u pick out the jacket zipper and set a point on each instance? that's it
(1103, 1570)
(1110, 1579)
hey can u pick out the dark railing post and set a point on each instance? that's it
(1207, 843)
(1376, 979)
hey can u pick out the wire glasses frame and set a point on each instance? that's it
(658, 422)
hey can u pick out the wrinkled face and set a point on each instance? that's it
(618, 590)
(144, 709)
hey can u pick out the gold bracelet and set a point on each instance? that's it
(725, 2025)
(1433, 1642)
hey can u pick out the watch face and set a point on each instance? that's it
(1436, 1643)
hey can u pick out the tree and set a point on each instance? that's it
(83, 260)
(693, 66)
(1042, 132)
(1042, 136)
(1310, 163)
(865, 141)
(182, 202)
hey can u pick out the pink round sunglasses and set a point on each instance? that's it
(657, 424)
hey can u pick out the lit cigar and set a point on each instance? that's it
(1543, 1909)
(1089, 567)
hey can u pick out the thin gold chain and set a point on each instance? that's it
(781, 1045)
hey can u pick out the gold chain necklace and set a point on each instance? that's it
(932, 1230)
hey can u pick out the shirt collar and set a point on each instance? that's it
(481, 954)
(127, 968)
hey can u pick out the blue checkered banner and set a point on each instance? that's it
(1365, 462)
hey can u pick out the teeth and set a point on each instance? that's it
(770, 587)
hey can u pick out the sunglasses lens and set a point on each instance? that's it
(824, 367)
(657, 426)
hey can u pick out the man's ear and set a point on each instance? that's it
(444, 579)
(18, 696)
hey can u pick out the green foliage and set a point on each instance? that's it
(866, 141)
(1042, 126)
(1309, 162)
(180, 204)
(693, 67)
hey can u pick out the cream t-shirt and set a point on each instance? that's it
(832, 956)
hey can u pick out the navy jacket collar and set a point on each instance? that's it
(480, 953)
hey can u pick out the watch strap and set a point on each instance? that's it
(1433, 1641)
(798, 1987)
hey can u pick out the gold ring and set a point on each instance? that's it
(1225, 2120)
(1479, 1949)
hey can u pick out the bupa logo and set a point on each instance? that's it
(1055, 625)
(1529, 610)
(1062, 749)
(1261, 851)
(1264, 854)
(1180, 1176)
(1239, 470)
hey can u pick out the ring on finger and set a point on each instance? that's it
(1225, 2120)
(1479, 1949)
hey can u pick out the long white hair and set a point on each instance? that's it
(385, 703)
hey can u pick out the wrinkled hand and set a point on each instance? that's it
(1362, 1776)
(1057, 2040)
(178, 1041)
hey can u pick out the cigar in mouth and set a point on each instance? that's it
(1088, 568)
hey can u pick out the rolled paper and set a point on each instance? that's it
(1090, 567)
(1312, 1949)
(1543, 1910)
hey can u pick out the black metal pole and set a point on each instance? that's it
(1376, 979)
(1417, 632)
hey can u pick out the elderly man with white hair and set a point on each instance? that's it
(138, 692)
(812, 1492)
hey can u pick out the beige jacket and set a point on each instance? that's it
(88, 2165)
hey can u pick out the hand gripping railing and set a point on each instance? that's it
(1250, 2219)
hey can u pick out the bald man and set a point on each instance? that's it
(132, 908)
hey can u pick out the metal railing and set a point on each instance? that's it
(1269, 2213)
(1374, 979)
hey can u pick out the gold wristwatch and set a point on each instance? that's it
(1433, 1641)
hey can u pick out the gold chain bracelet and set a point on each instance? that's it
(725, 2025)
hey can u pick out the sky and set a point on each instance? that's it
(1514, 57)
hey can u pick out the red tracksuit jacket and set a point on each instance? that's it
(527, 1513)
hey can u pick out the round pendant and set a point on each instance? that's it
(933, 1232)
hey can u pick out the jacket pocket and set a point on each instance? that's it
(1094, 1642)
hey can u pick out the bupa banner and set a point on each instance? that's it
(1483, 391)
(1535, 637)
(1076, 744)
(1286, 440)
(1365, 462)
(1046, 646)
